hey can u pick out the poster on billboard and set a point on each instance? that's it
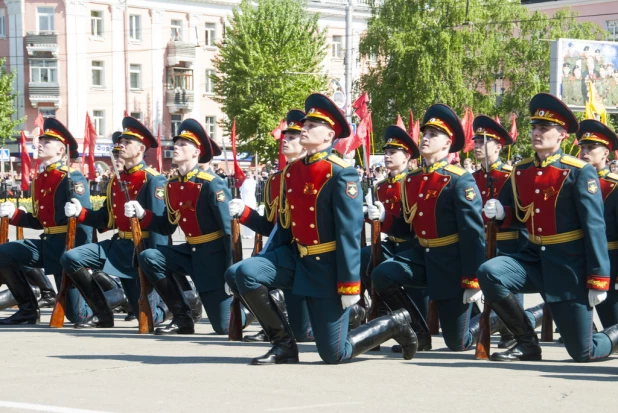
(577, 65)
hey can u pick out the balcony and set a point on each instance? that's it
(44, 93)
(179, 100)
(43, 42)
(179, 52)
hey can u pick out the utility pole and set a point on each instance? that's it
(348, 59)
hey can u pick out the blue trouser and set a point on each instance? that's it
(329, 321)
(574, 318)
(93, 256)
(608, 309)
(454, 315)
(296, 305)
(418, 295)
(26, 253)
(165, 261)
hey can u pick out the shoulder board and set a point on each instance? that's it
(525, 161)
(573, 161)
(415, 171)
(457, 170)
(507, 168)
(151, 171)
(205, 176)
(612, 175)
(173, 178)
(65, 168)
(337, 160)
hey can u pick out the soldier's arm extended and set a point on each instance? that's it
(97, 219)
(256, 222)
(25, 219)
(219, 206)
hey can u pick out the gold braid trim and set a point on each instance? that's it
(172, 215)
(270, 207)
(110, 211)
(527, 210)
(408, 212)
(35, 205)
(284, 207)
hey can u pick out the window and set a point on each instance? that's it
(47, 112)
(176, 30)
(46, 19)
(612, 28)
(97, 74)
(135, 27)
(44, 71)
(135, 72)
(211, 126)
(2, 26)
(337, 47)
(179, 78)
(137, 115)
(98, 118)
(96, 23)
(210, 34)
(176, 121)
(209, 85)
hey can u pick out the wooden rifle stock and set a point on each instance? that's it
(4, 230)
(235, 328)
(146, 323)
(257, 244)
(57, 317)
(547, 325)
(433, 321)
(19, 233)
(483, 343)
(376, 259)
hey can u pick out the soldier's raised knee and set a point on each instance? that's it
(70, 261)
(147, 258)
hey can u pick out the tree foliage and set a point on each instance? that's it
(269, 62)
(453, 52)
(7, 103)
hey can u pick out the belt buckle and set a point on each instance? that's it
(538, 239)
(424, 242)
(302, 250)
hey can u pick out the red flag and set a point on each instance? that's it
(90, 139)
(126, 113)
(410, 123)
(368, 129)
(360, 106)
(39, 121)
(277, 134)
(416, 132)
(400, 122)
(497, 119)
(239, 175)
(159, 150)
(344, 146)
(25, 164)
(468, 129)
(513, 133)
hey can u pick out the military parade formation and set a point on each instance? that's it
(555, 215)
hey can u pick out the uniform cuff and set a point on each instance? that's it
(145, 222)
(352, 288)
(595, 282)
(470, 283)
(19, 213)
(82, 216)
(244, 217)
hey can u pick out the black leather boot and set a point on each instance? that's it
(612, 333)
(515, 319)
(259, 337)
(7, 300)
(195, 302)
(103, 317)
(26, 300)
(37, 278)
(114, 298)
(377, 331)
(395, 297)
(170, 292)
(357, 316)
(495, 325)
(270, 312)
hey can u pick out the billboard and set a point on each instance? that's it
(577, 64)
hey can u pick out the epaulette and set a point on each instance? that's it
(507, 168)
(455, 169)
(205, 176)
(174, 178)
(337, 160)
(573, 161)
(151, 171)
(612, 176)
(525, 161)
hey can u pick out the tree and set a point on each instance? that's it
(7, 103)
(456, 52)
(269, 62)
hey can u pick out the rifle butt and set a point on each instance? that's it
(19, 233)
(58, 314)
(235, 326)
(433, 321)
(4, 230)
(483, 342)
(547, 325)
(146, 323)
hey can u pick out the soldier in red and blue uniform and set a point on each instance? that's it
(197, 201)
(557, 198)
(265, 224)
(116, 256)
(318, 252)
(50, 191)
(442, 205)
(597, 141)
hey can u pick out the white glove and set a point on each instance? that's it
(376, 211)
(494, 209)
(472, 295)
(134, 209)
(73, 208)
(7, 209)
(236, 207)
(596, 297)
(365, 210)
(261, 210)
(349, 300)
(227, 289)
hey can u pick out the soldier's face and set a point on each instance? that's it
(546, 137)
(595, 155)
(130, 149)
(50, 148)
(185, 151)
(291, 147)
(493, 148)
(315, 135)
(395, 158)
(434, 141)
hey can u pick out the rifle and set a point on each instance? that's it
(483, 343)
(145, 322)
(363, 244)
(433, 321)
(4, 221)
(57, 317)
(235, 328)
(257, 245)
(547, 325)
(19, 231)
